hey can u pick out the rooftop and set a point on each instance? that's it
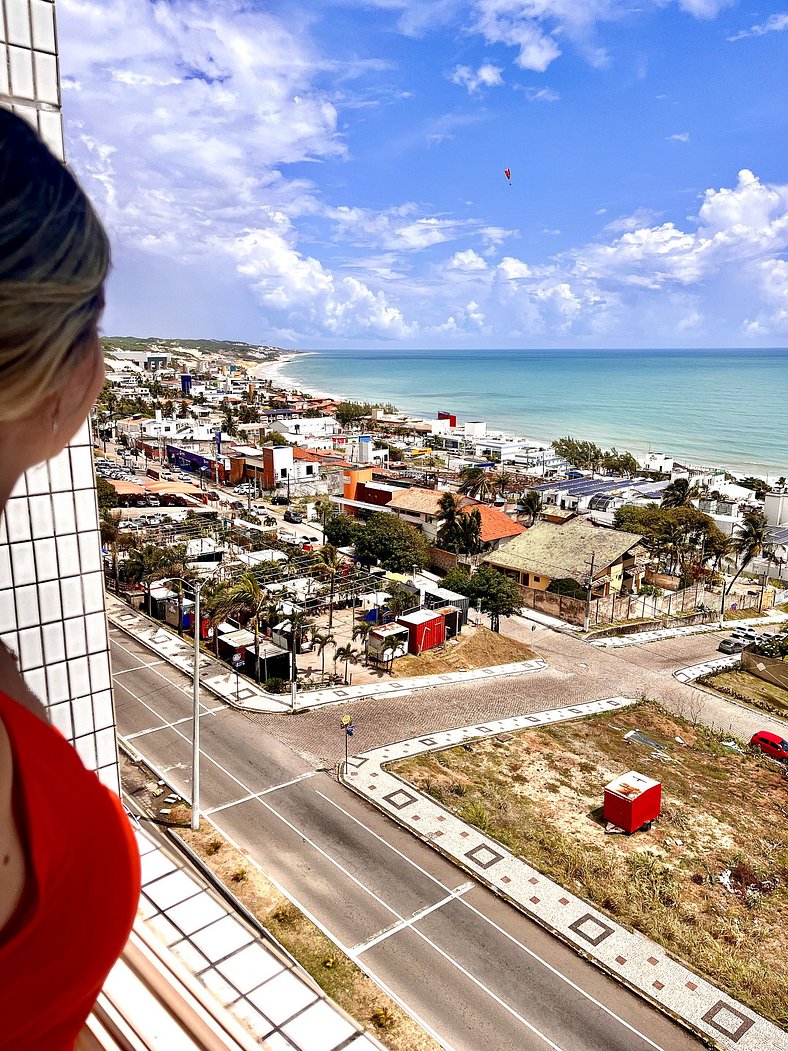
(559, 551)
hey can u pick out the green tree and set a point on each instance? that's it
(324, 509)
(448, 536)
(469, 527)
(328, 565)
(321, 640)
(109, 528)
(361, 631)
(758, 485)
(276, 438)
(350, 413)
(476, 482)
(750, 540)
(531, 504)
(395, 544)
(106, 495)
(497, 594)
(457, 579)
(342, 530)
(144, 565)
(347, 654)
(679, 493)
(250, 602)
(502, 482)
(248, 414)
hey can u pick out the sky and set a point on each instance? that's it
(332, 173)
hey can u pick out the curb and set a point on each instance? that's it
(726, 1006)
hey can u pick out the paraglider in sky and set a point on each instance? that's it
(508, 175)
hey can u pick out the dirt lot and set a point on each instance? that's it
(337, 975)
(540, 793)
(476, 647)
(748, 688)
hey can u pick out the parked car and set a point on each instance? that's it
(771, 744)
(293, 516)
(744, 633)
(280, 500)
(732, 645)
(239, 505)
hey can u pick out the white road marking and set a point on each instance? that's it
(342, 948)
(126, 671)
(505, 933)
(397, 927)
(485, 989)
(257, 795)
(388, 908)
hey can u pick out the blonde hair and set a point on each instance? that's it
(54, 259)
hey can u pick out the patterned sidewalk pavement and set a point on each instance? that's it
(222, 681)
(630, 957)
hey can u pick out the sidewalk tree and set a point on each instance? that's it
(328, 565)
(346, 654)
(448, 532)
(321, 640)
(250, 602)
(144, 565)
(106, 495)
(497, 594)
(457, 579)
(324, 509)
(109, 528)
(395, 544)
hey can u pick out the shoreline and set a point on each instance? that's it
(275, 370)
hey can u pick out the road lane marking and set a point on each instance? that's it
(397, 927)
(126, 671)
(505, 933)
(388, 908)
(361, 964)
(265, 792)
(493, 996)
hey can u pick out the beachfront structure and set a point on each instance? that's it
(610, 560)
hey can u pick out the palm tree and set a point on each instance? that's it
(679, 493)
(328, 565)
(324, 509)
(503, 481)
(214, 605)
(249, 601)
(750, 540)
(361, 631)
(476, 482)
(389, 648)
(320, 640)
(346, 654)
(145, 564)
(399, 599)
(447, 536)
(109, 527)
(299, 620)
(531, 504)
(174, 564)
(469, 526)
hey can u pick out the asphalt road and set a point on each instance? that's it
(474, 971)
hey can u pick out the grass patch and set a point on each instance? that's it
(748, 688)
(476, 648)
(541, 796)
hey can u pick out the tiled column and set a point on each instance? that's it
(51, 584)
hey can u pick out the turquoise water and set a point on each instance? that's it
(709, 406)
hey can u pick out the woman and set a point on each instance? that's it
(69, 869)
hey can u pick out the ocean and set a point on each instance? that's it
(725, 407)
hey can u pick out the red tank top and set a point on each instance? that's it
(81, 894)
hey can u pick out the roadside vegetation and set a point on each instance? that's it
(749, 689)
(709, 882)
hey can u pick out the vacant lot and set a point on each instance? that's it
(476, 647)
(744, 686)
(724, 817)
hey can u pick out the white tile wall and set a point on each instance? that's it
(51, 585)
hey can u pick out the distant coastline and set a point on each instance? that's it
(712, 408)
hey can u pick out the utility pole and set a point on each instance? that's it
(195, 822)
(587, 616)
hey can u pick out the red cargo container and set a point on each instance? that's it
(426, 629)
(632, 801)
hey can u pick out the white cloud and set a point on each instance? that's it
(704, 8)
(774, 24)
(680, 136)
(541, 95)
(486, 76)
(466, 261)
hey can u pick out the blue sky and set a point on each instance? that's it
(332, 173)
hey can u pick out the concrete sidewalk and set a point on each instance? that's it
(628, 956)
(638, 638)
(241, 692)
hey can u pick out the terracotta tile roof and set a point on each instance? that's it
(495, 524)
(418, 501)
(305, 454)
